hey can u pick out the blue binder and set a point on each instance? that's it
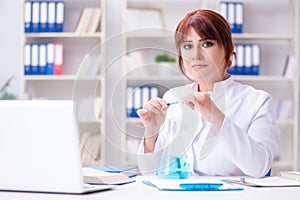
(255, 59)
(35, 16)
(43, 16)
(27, 17)
(248, 59)
(129, 102)
(51, 17)
(239, 17)
(50, 59)
(233, 12)
(42, 59)
(59, 16)
(240, 61)
(27, 59)
(34, 59)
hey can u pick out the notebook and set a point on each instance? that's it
(40, 148)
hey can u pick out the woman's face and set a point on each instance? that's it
(203, 58)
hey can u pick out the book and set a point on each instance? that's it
(196, 184)
(89, 20)
(94, 22)
(289, 67)
(84, 19)
(283, 179)
(90, 147)
(94, 176)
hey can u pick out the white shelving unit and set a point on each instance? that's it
(149, 42)
(87, 89)
(276, 43)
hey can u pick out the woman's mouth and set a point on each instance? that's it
(199, 66)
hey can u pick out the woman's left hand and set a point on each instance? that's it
(202, 102)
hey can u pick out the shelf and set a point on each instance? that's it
(78, 81)
(262, 78)
(133, 120)
(281, 164)
(91, 122)
(149, 33)
(58, 78)
(260, 36)
(156, 77)
(286, 122)
(159, 33)
(64, 35)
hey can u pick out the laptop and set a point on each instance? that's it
(40, 148)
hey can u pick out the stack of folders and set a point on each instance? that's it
(43, 58)
(138, 96)
(247, 60)
(43, 16)
(233, 12)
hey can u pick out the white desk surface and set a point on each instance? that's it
(138, 190)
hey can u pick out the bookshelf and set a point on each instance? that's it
(78, 81)
(276, 43)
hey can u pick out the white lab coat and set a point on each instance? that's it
(246, 143)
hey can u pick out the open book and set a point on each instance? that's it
(283, 179)
(94, 176)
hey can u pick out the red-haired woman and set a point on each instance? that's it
(240, 115)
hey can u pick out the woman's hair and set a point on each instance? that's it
(207, 24)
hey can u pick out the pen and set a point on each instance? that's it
(201, 186)
(172, 103)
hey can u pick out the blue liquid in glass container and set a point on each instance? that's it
(174, 167)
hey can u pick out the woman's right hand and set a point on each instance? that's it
(153, 115)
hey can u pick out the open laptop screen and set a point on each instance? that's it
(39, 147)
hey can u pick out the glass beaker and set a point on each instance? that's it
(174, 167)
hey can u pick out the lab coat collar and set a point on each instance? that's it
(219, 92)
(219, 87)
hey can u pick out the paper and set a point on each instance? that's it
(274, 181)
(200, 184)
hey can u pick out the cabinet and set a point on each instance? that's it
(276, 42)
(81, 79)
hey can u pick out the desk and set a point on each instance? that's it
(140, 191)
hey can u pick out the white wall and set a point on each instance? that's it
(11, 43)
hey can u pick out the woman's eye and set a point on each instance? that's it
(208, 44)
(187, 46)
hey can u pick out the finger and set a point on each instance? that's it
(201, 95)
(142, 112)
(189, 100)
(155, 107)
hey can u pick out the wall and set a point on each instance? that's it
(10, 43)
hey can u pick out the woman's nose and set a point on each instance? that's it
(198, 54)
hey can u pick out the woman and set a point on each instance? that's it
(243, 120)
